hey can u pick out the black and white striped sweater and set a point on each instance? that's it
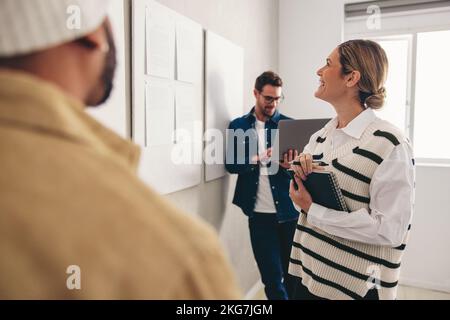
(336, 268)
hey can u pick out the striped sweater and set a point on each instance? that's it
(336, 268)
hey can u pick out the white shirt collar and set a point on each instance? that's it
(357, 126)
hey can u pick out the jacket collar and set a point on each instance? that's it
(32, 104)
(275, 118)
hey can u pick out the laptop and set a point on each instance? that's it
(295, 134)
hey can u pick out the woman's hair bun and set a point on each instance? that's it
(376, 100)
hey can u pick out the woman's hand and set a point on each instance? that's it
(306, 166)
(300, 197)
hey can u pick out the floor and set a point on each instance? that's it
(404, 293)
(410, 293)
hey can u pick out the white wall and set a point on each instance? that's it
(309, 31)
(427, 259)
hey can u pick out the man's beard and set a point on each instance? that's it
(268, 111)
(108, 73)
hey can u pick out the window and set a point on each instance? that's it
(427, 122)
(432, 100)
(417, 44)
(397, 104)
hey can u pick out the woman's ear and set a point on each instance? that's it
(353, 78)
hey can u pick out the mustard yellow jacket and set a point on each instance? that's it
(69, 196)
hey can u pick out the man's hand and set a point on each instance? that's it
(300, 197)
(263, 158)
(289, 157)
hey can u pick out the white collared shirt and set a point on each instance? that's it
(391, 193)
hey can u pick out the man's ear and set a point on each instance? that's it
(255, 93)
(95, 40)
(353, 78)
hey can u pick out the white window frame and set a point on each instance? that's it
(409, 115)
(411, 33)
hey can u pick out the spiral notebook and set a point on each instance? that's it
(324, 189)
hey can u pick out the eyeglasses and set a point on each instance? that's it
(270, 100)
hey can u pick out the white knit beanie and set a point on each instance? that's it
(27, 26)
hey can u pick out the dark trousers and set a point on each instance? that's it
(271, 244)
(300, 292)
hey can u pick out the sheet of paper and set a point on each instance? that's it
(189, 50)
(159, 113)
(160, 42)
(186, 111)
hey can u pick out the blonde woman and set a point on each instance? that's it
(356, 254)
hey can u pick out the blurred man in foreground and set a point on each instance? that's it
(75, 220)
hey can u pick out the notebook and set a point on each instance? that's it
(324, 189)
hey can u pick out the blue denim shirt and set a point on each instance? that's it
(248, 179)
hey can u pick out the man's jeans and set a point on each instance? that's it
(271, 244)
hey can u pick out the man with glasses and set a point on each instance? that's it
(262, 192)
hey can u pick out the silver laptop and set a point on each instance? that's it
(295, 134)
